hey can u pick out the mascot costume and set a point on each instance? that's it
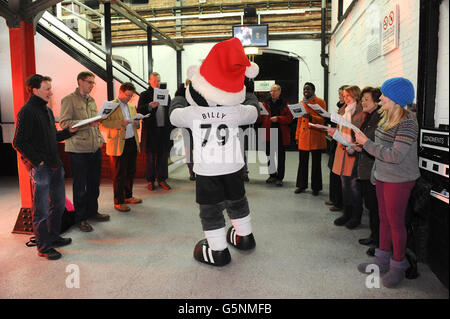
(214, 115)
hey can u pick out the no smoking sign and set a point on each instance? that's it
(389, 33)
(388, 21)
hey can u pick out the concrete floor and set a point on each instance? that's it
(147, 253)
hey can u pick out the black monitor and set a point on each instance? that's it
(256, 35)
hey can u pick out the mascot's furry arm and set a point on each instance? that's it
(178, 102)
(251, 99)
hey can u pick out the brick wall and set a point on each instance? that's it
(348, 47)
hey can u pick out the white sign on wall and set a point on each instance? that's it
(263, 86)
(373, 32)
(389, 29)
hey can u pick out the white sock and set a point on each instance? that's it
(242, 226)
(216, 239)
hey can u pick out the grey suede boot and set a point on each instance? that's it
(382, 259)
(396, 273)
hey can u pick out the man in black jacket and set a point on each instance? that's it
(36, 140)
(155, 134)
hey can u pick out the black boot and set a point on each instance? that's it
(411, 272)
(341, 221)
(355, 220)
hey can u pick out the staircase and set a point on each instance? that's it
(88, 53)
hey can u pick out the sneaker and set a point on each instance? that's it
(122, 207)
(100, 217)
(240, 242)
(150, 186)
(206, 255)
(164, 185)
(62, 242)
(85, 226)
(50, 254)
(133, 200)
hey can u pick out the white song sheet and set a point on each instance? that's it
(297, 110)
(319, 110)
(338, 119)
(105, 110)
(262, 109)
(161, 96)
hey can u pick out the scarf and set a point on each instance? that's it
(349, 111)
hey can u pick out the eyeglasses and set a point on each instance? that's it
(90, 82)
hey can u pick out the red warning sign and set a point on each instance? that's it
(391, 17)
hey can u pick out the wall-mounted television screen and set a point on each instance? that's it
(256, 35)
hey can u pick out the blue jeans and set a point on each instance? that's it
(49, 199)
(86, 169)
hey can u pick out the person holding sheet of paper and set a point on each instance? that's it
(84, 151)
(155, 134)
(395, 172)
(277, 119)
(370, 103)
(345, 159)
(122, 145)
(310, 140)
(335, 189)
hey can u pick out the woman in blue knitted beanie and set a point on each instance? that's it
(395, 171)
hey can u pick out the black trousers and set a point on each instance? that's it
(276, 171)
(369, 195)
(336, 190)
(351, 194)
(86, 169)
(157, 165)
(316, 170)
(123, 170)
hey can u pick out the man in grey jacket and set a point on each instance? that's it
(85, 151)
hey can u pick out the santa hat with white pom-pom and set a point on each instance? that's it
(220, 78)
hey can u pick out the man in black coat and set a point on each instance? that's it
(36, 140)
(155, 134)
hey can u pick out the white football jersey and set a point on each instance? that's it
(215, 131)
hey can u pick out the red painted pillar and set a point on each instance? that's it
(23, 65)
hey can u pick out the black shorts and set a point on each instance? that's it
(215, 189)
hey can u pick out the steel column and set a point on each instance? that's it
(23, 65)
(149, 51)
(179, 75)
(108, 48)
